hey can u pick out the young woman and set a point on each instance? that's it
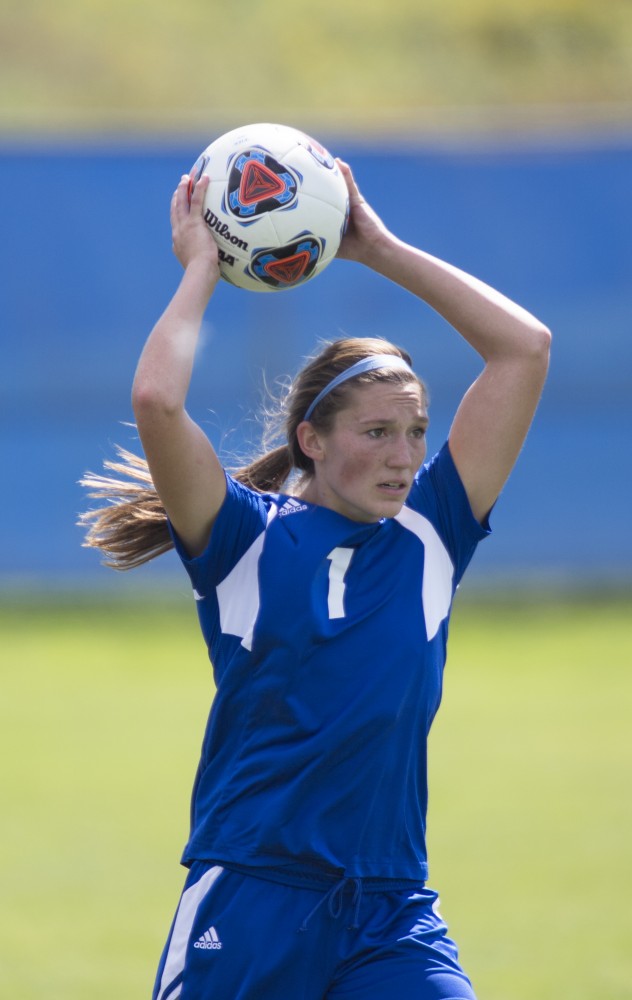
(324, 575)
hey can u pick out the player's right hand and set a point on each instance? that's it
(192, 239)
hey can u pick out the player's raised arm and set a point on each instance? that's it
(184, 467)
(494, 416)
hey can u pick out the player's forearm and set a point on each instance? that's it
(163, 375)
(492, 324)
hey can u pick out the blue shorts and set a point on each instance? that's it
(240, 937)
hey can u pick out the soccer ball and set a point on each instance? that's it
(277, 205)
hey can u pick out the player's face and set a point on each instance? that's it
(366, 464)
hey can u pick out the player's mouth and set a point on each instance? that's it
(394, 487)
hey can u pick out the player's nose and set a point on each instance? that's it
(399, 453)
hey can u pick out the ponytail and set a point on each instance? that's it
(132, 528)
(269, 473)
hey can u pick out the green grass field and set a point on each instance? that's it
(530, 822)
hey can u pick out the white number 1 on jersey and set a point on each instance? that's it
(340, 559)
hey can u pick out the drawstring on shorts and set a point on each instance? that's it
(335, 901)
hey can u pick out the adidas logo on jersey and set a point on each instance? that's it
(291, 506)
(209, 940)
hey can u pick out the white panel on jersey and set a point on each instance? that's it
(238, 593)
(436, 590)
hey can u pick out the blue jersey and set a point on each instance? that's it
(328, 642)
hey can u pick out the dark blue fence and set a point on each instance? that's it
(85, 269)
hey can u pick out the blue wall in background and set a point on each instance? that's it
(86, 267)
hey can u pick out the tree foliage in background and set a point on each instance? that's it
(362, 63)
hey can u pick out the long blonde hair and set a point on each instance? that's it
(132, 527)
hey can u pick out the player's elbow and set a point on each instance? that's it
(544, 346)
(536, 347)
(544, 338)
(151, 402)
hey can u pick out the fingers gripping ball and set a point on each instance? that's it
(277, 205)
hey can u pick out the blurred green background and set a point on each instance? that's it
(101, 719)
(376, 66)
(104, 699)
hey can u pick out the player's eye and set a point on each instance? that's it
(419, 432)
(376, 432)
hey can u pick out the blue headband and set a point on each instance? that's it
(365, 365)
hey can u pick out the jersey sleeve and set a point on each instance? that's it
(439, 494)
(241, 519)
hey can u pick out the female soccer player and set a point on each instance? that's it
(324, 575)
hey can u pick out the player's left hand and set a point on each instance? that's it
(365, 231)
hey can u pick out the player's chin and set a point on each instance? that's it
(390, 506)
(393, 512)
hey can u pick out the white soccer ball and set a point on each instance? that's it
(277, 205)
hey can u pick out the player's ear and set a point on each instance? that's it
(310, 441)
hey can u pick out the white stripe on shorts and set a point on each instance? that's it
(176, 955)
